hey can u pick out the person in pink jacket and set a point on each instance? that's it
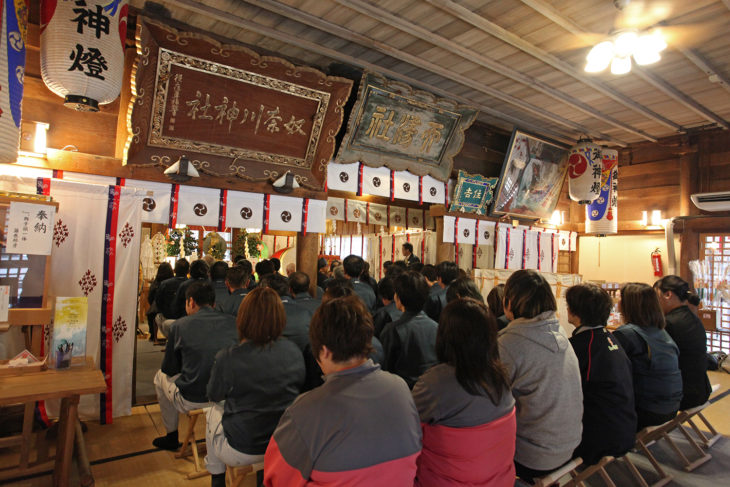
(466, 408)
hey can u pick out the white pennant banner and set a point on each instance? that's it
(156, 203)
(432, 190)
(376, 181)
(466, 233)
(405, 185)
(197, 206)
(342, 177)
(485, 234)
(336, 209)
(316, 216)
(285, 213)
(244, 210)
(356, 211)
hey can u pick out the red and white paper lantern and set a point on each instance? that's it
(82, 50)
(584, 171)
(602, 214)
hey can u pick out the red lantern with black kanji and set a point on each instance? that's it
(82, 50)
(584, 171)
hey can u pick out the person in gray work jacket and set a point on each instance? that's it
(237, 283)
(360, 427)
(353, 266)
(389, 311)
(543, 374)
(239, 429)
(299, 290)
(192, 344)
(297, 316)
(409, 343)
(447, 272)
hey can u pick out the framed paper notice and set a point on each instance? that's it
(30, 228)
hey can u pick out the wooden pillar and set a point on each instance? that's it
(444, 251)
(307, 255)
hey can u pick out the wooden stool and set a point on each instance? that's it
(189, 439)
(643, 439)
(554, 476)
(577, 480)
(236, 475)
(689, 414)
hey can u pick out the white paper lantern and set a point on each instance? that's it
(602, 214)
(82, 50)
(12, 71)
(584, 171)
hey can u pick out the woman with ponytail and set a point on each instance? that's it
(687, 331)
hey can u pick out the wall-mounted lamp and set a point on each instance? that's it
(557, 218)
(656, 219)
(33, 138)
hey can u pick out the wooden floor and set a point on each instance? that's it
(121, 454)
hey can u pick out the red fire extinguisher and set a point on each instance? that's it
(656, 263)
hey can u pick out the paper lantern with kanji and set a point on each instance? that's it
(82, 50)
(12, 72)
(584, 171)
(602, 214)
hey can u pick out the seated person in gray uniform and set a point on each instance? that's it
(360, 427)
(243, 419)
(191, 347)
(447, 272)
(353, 266)
(409, 342)
(218, 279)
(297, 316)
(237, 283)
(299, 290)
(389, 312)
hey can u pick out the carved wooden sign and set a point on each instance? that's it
(395, 126)
(231, 111)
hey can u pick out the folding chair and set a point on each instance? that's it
(553, 477)
(598, 468)
(236, 475)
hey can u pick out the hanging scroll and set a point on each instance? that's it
(395, 126)
(231, 111)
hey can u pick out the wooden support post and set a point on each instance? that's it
(307, 255)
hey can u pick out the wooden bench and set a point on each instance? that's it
(236, 475)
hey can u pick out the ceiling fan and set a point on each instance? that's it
(643, 29)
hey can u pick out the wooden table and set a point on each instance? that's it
(67, 385)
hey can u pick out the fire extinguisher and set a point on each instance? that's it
(656, 263)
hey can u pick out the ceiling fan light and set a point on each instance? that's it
(657, 40)
(646, 56)
(599, 57)
(625, 43)
(621, 65)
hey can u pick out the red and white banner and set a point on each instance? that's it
(316, 221)
(466, 233)
(397, 216)
(356, 211)
(343, 177)
(485, 233)
(449, 222)
(545, 252)
(285, 213)
(530, 254)
(432, 190)
(196, 206)
(336, 209)
(244, 210)
(414, 218)
(376, 181)
(377, 214)
(155, 202)
(405, 185)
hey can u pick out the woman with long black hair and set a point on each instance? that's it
(466, 408)
(164, 271)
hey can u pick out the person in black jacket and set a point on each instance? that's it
(388, 311)
(687, 331)
(258, 379)
(447, 272)
(409, 342)
(165, 296)
(609, 417)
(299, 290)
(297, 316)
(353, 266)
(164, 272)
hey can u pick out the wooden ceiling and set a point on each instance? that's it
(520, 62)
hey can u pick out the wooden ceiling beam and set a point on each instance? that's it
(491, 64)
(230, 19)
(493, 29)
(328, 27)
(701, 62)
(556, 17)
(679, 96)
